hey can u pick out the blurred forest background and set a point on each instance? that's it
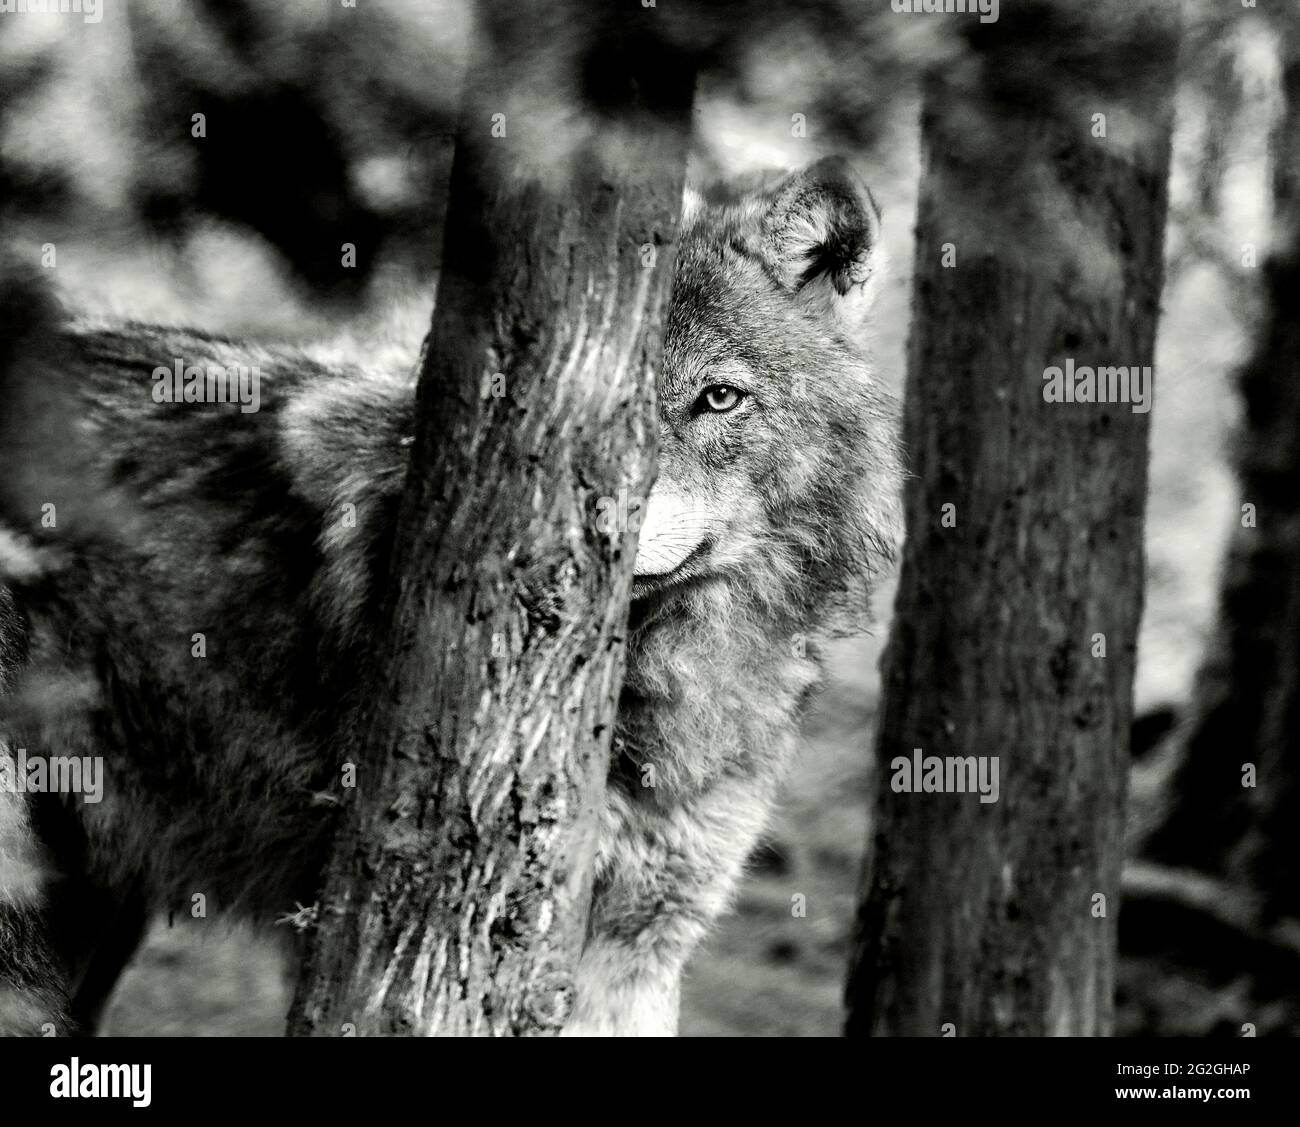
(327, 125)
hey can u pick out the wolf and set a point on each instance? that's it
(134, 534)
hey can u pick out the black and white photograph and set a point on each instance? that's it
(650, 519)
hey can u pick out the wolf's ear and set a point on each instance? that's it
(820, 233)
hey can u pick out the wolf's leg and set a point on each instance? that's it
(62, 949)
(116, 941)
(94, 923)
(665, 872)
(64, 938)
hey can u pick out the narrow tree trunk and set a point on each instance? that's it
(456, 898)
(1236, 795)
(987, 918)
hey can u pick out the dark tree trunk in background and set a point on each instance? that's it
(1247, 705)
(456, 898)
(983, 918)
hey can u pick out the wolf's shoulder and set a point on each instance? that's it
(327, 412)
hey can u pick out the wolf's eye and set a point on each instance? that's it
(720, 398)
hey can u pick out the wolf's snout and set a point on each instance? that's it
(672, 528)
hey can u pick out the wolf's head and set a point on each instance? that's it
(778, 464)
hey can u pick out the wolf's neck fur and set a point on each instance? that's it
(713, 687)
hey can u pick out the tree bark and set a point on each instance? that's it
(456, 898)
(1247, 707)
(983, 918)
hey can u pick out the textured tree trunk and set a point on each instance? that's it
(456, 898)
(1247, 706)
(995, 918)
